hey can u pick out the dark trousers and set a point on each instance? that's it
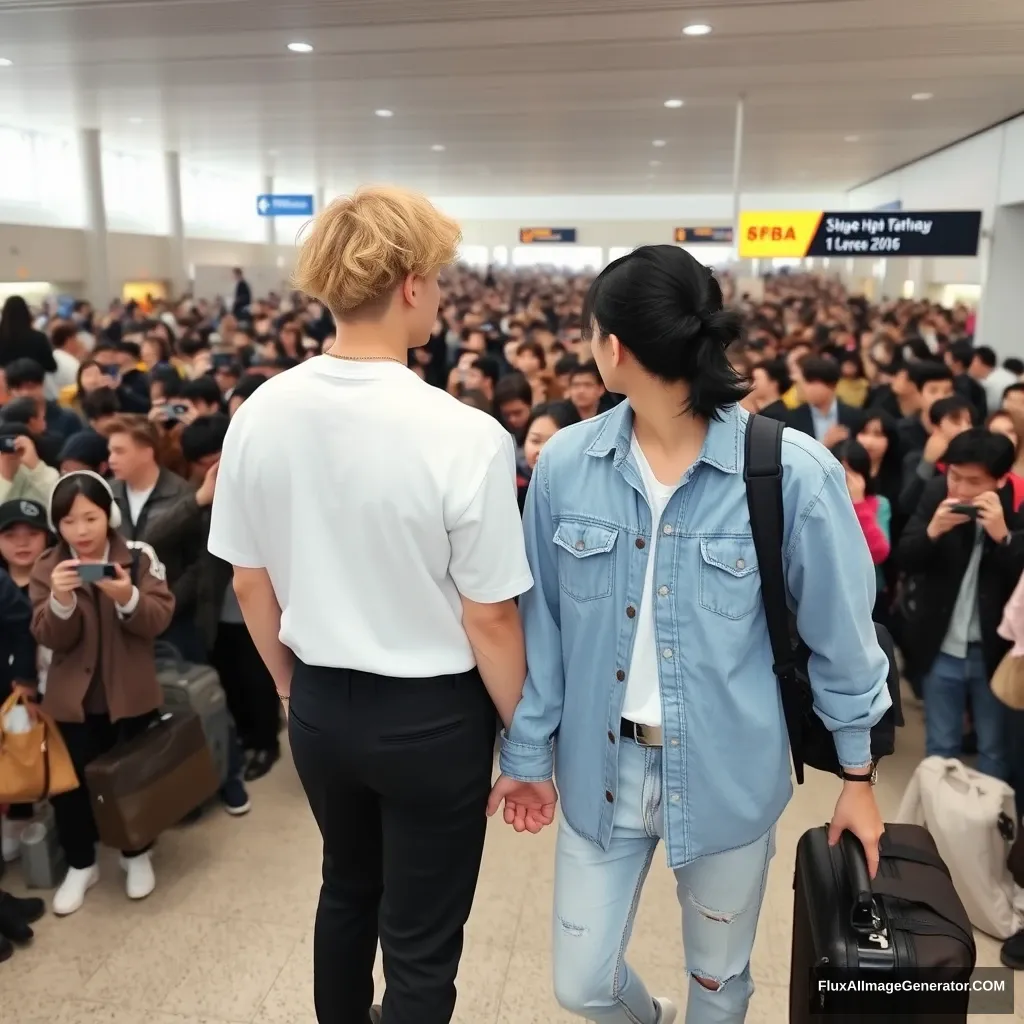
(397, 772)
(86, 741)
(249, 687)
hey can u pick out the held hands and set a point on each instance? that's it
(27, 450)
(945, 519)
(64, 581)
(119, 590)
(835, 435)
(990, 515)
(204, 495)
(529, 806)
(857, 811)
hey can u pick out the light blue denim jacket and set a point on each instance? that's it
(726, 758)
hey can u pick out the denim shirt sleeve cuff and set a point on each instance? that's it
(853, 747)
(526, 762)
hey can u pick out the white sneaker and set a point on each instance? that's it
(71, 894)
(10, 839)
(666, 1011)
(140, 881)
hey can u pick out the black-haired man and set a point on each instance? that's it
(995, 379)
(959, 357)
(947, 418)
(822, 415)
(771, 380)
(26, 378)
(202, 396)
(965, 546)
(928, 381)
(586, 389)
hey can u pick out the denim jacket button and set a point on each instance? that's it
(580, 545)
(620, 675)
(611, 736)
(630, 612)
(667, 653)
(740, 564)
(666, 529)
(640, 542)
(608, 796)
(662, 591)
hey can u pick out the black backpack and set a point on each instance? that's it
(810, 741)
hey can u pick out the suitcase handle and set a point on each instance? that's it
(863, 915)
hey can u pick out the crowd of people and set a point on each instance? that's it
(112, 424)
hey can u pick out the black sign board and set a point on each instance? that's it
(899, 233)
(693, 236)
(528, 236)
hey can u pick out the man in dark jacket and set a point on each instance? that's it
(965, 547)
(822, 415)
(25, 378)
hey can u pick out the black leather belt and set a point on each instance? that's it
(643, 735)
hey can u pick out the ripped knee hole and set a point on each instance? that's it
(575, 930)
(711, 986)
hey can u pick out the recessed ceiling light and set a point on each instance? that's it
(919, 96)
(659, 143)
(852, 138)
(437, 147)
(673, 104)
(5, 62)
(654, 163)
(300, 47)
(697, 30)
(383, 112)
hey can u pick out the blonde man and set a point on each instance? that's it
(373, 527)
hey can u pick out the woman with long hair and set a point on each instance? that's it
(20, 340)
(101, 686)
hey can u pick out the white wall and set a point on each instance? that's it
(980, 173)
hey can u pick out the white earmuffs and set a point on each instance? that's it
(115, 510)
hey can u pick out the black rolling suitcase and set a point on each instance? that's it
(905, 925)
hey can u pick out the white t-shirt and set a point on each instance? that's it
(374, 501)
(643, 690)
(137, 501)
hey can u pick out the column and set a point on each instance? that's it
(98, 285)
(737, 167)
(321, 198)
(999, 310)
(176, 220)
(271, 222)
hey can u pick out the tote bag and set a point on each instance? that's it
(35, 764)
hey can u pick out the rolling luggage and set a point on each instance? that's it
(147, 785)
(197, 687)
(905, 925)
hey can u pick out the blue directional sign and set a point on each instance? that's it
(284, 206)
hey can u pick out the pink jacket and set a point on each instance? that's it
(1012, 626)
(878, 541)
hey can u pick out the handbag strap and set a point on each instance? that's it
(46, 760)
(762, 472)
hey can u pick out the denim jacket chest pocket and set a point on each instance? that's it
(586, 558)
(730, 584)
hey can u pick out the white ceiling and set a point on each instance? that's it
(529, 97)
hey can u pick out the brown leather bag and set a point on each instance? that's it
(147, 785)
(36, 764)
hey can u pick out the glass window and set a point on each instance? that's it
(135, 193)
(40, 178)
(473, 255)
(501, 255)
(565, 257)
(218, 206)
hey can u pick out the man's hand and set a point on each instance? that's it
(857, 811)
(64, 581)
(990, 515)
(119, 589)
(835, 435)
(10, 462)
(207, 489)
(945, 519)
(856, 485)
(27, 449)
(529, 806)
(935, 447)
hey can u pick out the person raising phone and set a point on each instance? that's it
(99, 602)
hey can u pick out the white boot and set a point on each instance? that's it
(10, 839)
(71, 894)
(666, 1011)
(140, 881)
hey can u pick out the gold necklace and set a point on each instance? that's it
(366, 359)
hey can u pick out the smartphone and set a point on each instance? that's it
(965, 510)
(177, 410)
(94, 572)
(111, 371)
(7, 446)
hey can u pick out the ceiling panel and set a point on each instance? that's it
(530, 97)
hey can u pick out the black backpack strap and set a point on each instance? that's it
(762, 472)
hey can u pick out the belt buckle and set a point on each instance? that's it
(647, 735)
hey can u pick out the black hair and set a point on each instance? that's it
(536, 349)
(564, 414)
(477, 399)
(985, 356)
(169, 378)
(99, 403)
(567, 364)
(69, 487)
(204, 436)
(1012, 388)
(949, 407)
(667, 309)
(980, 447)
(247, 385)
(918, 349)
(855, 455)
(20, 410)
(777, 371)
(24, 371)
(106, 346)
(202, 389)
(1013, 364)
(962, 353)
(489, 367)
(513, 387)
(926, 371)
(191, 345)
(587, 369)
(130, 348)
(819, 370)
(15, 319)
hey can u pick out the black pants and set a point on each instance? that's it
(86, 741)
(248, 686)
(397, 772)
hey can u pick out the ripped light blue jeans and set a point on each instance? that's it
(596, 896)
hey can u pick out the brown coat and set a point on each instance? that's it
(127, 661)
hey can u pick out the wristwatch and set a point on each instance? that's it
(871, 778)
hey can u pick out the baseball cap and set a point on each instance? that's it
(22, 511)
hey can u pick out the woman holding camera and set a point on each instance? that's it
(99, 602)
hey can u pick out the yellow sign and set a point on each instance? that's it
(766, 234)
